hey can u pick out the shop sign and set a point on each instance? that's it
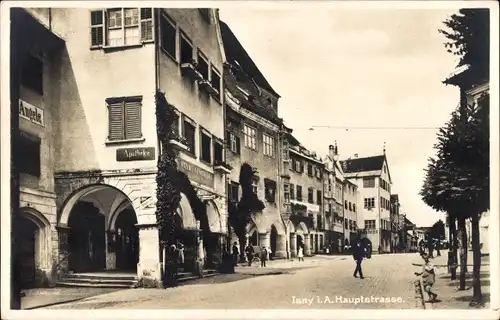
(31, 113)
(135, 154)
(196, 174)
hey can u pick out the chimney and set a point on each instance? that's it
(355, 155)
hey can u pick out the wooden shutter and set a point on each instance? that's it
(97, 19)
(116, 123)
(146, 17)
(133, 118)
(301, 166)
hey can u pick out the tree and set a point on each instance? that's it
(240, 214)
(468, 37)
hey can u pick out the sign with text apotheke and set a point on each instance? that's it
(135, 154)
(31, 113)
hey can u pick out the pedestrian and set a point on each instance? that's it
(180, 254)
(358, 253)
(428, 277)
(263, 256)
(236, 253)
(300, 253)
(250, 254)
(438, 248)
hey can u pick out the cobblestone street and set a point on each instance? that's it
(279, 285)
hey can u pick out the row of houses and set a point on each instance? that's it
(85, 82)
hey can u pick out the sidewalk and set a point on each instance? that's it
(44, 297)
(448, 295)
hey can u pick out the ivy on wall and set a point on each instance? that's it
(168, 188)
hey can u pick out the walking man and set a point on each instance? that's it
(236, 253)
(358, 253)
(263, 256)
(250, 253)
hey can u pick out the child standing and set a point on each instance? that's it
(428, 277)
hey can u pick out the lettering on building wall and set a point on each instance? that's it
(196, 173)
(135, 154)
(31, 113)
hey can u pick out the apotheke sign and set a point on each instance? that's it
(31, 113)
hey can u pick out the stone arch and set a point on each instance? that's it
(213, 215)
(78, 194)
(253, 226)
(290, 227)
(43, 239)
(188, 221)
(280, 229)
(302, 228)
(116, 212)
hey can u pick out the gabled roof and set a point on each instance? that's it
(237, 55)
(363, 164)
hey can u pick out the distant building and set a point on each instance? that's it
(372, 177)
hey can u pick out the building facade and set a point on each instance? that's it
(395, 225)
(104, 141)
(252, 136)
(371, 176)
(306, 197)
(37, 52)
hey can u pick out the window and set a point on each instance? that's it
(202, 64)
(330, 207)
(121, 26)
(28, 154)
(369, 203)
(186, 49)
(329, 185)
(319, 197)
(250, 137)
(382, 203)
(124, 118)
(286, 192)
(270, 190)
(233, 191)
(368, 182)
(189, 134)
(346, 224)
(255, 188)
(292, 191)
(268, 143)
(168, 36)
(318, 173)
(345, 204)
(319, 221)
(309, 169)
(215, 80)
(206, 146)
(32, 74)
(310, 195)
(370, 224)
(353, 207)
(350, 206)
(299, 193)
(218, 150)
(233, 142)
(297, 165)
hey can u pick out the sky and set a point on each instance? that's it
(341, 67)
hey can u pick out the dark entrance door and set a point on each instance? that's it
(86, 238)
(127, 241)
(274, 239)
(27, 251)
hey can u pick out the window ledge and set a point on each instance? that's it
(128, 141)
(122, 47)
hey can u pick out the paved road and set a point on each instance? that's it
(317, 283)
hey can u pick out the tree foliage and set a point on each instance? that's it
(240, 214)
(437, 230)
(468, 37)
(459, 177)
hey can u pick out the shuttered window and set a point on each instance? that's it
(124, 118)
(97, 28)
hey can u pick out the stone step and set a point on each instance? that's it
(63, 283)
(100, 276)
